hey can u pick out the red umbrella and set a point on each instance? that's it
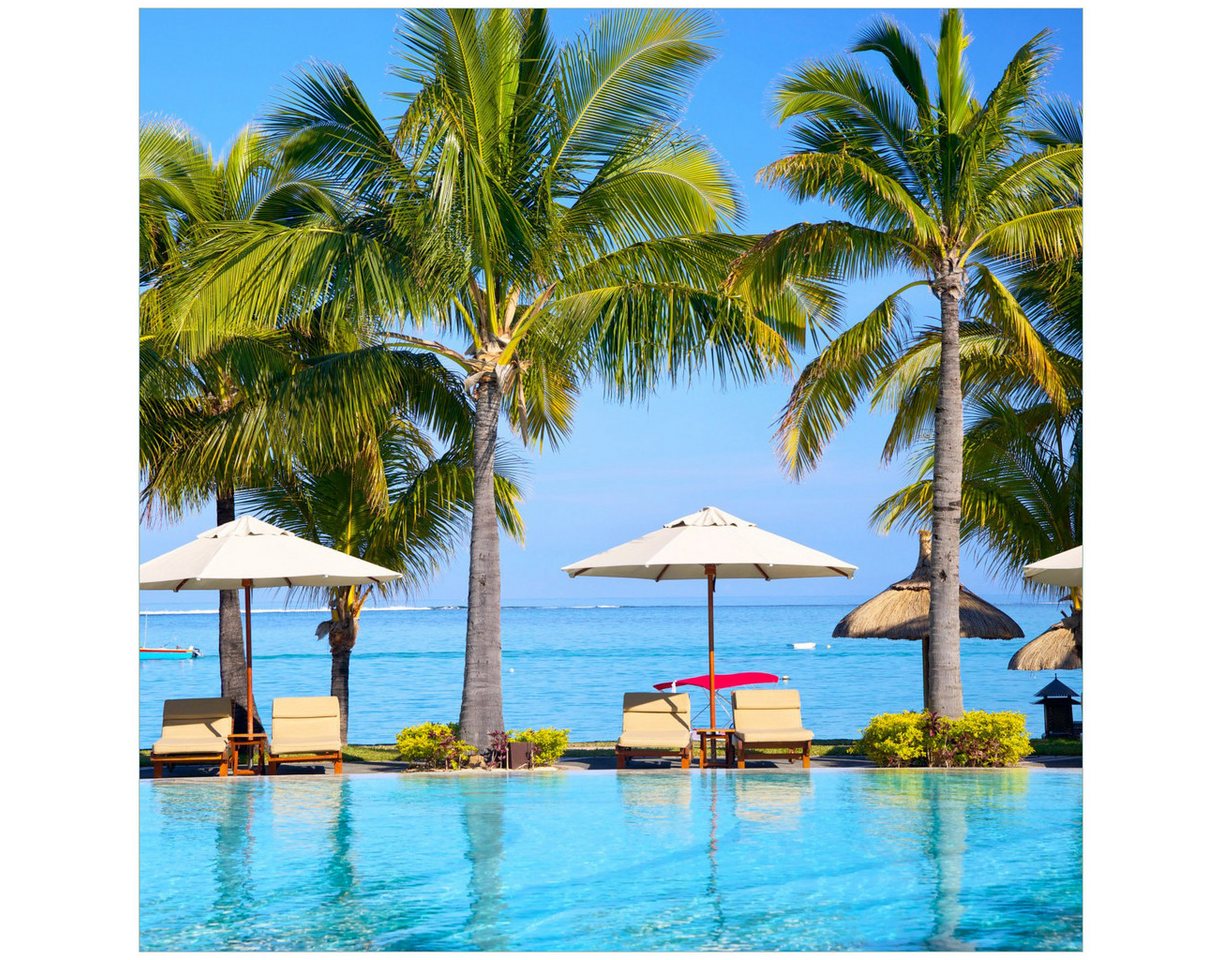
(723, 680)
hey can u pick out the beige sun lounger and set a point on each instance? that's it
(768, 719)
(305, 728)
(656, 725)
(194, 731)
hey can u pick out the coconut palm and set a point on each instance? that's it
(414, 530)
(230, 416)
(993, 360)
(538, 202)
(182, 191)
(943, 192)
(1022, 471)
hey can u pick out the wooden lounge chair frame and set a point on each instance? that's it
(170, 760)
(335, 756)
(742, 752)
(624, 754)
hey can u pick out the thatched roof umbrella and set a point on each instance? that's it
(901, 612)
(1057, 648)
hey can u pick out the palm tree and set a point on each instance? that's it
(414, 530)
(182, 190)
(233, 413)
(541, 203)
(997, 360)
(1022, 467)
(942, 189)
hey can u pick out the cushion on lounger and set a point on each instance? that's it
(780, 735)
(195, 726)
(655, 741)
(181, 746)
(304, 725)
(760, 715)
(658, 714)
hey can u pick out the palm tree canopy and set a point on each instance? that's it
(937, 186)
(537, 201)
(254, 400)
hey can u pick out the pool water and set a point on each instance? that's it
(717, 860)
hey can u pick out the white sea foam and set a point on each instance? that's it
(183, 613)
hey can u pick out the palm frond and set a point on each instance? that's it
(631, 71)
(828, 390)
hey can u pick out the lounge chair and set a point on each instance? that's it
(656, 725)
(304, 729)
(195, 732)
(768, 719)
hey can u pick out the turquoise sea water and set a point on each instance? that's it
(819, 860)
(569, 667)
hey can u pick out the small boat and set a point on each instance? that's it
(805, 646)
(169, 653)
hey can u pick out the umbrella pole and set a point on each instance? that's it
(710, 571)
(250, 694)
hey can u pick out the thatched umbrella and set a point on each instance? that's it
(901, 612)
(1057, 648)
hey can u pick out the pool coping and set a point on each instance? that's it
(606, 765)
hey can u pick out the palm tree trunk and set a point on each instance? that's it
(231, 645)
(482, 709)
(945, 694)
(342, 638)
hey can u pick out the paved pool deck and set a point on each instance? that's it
(581, 764)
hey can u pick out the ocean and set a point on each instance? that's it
(568, 666)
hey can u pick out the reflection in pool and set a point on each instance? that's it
(910, 860)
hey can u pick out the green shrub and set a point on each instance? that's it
(434, 744)
(977, 739)
(551, 743)
(894, 739)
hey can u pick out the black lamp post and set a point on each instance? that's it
(1058, 701)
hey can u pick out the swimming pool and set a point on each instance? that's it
(818, 860)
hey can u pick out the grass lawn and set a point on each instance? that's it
(1056, 748)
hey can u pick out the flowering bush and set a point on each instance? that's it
(894, 739)
(549, 741)
(550, 744)
(434, 744)
(977, 739)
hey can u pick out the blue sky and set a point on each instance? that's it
(626, 469)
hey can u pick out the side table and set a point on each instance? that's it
(709, 736)
(256, 743)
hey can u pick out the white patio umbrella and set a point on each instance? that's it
(704, 546)
(248, 553)
(1060, 570)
